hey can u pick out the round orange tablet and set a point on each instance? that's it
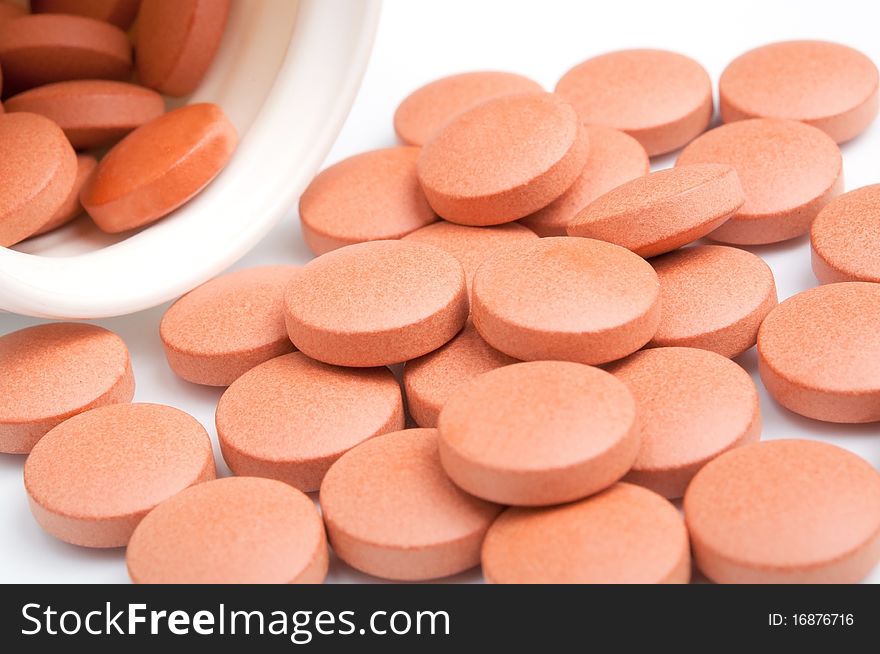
(392, 512)
(376, 303)
(785, 186)
(539, 433)
(692, 406)
(662, 211)
(826, 85)
(51, 372)
(817, 353)
(85, 166)
(219, 331)
(574, 299)
(624, 535)
(231, 531)
(137, 183)
(615, 158)
(431, 380)
(10, 10)
(291, 417)
(786, 511)
(538, 137)
(845, 238)
(662, 99)
(368, 197)
(714, 298)
(425, 111)
(118, 12)
(91, 479)
(38, 168)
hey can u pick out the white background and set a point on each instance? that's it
(417, 41)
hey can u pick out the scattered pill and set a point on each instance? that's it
(624, 535)
(539, 433)
(91, 479)
(785, 185)
(376, 303)
(368, 197)
(118, 12)
(714, 298)
(233, 530)
(660, 98)
(292, 417)
(660, 212)
(538, 137)
(574, 299)
(826, 85)
(85, 166)
(817, 353)
(845, 238)
(786, 511)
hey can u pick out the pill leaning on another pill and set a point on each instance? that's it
(118, 12)
(85, 166)
(845, 238)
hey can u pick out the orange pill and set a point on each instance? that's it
(786, 511)
(431, 380)
(38, 168)
(92, 113)
(10, 10)
(368, 197)
(118, 12)
(85, 166)
(91, 479)
(420, 526)
(44, 48)
(425, 111)
(51, 372)
(660, 212)
(845, 238)
(660, 98)
(574, 299)
(176, 42)
(219, 331)
(292, 417)
(692, 406)
(538, 136)
(624, 535)
(785, 186)
(238, 530)
(538, 433)
(826, 85)
(714, 298)
(137, 183)
(817, 353)
(376, 303)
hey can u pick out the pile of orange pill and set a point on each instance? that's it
(516, 347)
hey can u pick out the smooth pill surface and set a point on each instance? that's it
(219, 331)
(692, 405)
(92, 113)
(91, 479)
(845, 238)
(425, 111)
(662, 211)
(38, 168)
(817, 353)
(138, 183)
(233, 530)
(624, 535)
(10, 10)
(662, 99)
(539, 433)
(368, 197)
(785, 185)
(714, 297)
(176, 42)
(391, 511)
(574, 299)
(614, 158)
(376, 303)
(538, 137)
(118, 12)
(51, 372)
(431, 380)
(85, 166)
(786, 511)
(292, 417)
(826, 85)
